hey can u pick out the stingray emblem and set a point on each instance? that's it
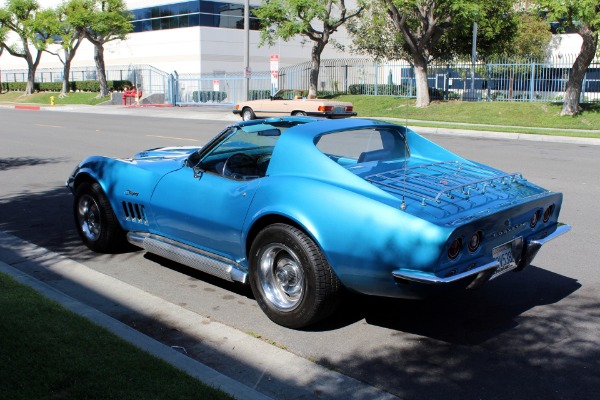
(129, 192)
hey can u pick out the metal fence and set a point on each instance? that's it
(147, 78)
(222, 89)
(502, 80)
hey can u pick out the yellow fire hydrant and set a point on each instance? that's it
(51, 100)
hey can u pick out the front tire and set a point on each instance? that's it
(291, 279)
(248, 114)
(95, 220)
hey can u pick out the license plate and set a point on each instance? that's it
(505, 255)
(338, 110)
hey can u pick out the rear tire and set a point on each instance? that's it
(95, 220)
(291, 279)
(300, 114)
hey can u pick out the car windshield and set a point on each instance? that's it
(244, 152)
(364, 145)
(288, 94)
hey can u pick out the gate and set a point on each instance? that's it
(217, 91)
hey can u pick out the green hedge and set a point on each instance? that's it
(258, 94)
(392, 90)
(386, 90)
(208, 95)
(83, 86)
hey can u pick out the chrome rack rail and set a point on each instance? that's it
(443, 179)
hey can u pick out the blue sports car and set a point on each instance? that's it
(304, 208)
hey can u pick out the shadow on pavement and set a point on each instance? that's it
(494, 343)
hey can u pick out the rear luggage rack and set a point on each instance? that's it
(444, 180)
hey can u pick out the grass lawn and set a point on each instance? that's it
(44, 98)
(48, 352)
(521, 117)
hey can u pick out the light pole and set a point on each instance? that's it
(246, 48)
(473, 58)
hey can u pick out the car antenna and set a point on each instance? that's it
(403, 205)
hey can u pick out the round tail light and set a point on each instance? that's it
(548, 212)
(535, 218)
(455, 248)
(475, 241)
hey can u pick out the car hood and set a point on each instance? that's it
(164, 153)
(162, 158)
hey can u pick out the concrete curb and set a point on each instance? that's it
(277, 373)
(192, 367)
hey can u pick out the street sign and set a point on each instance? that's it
(274, 61)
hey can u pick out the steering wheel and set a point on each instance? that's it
(239, 165)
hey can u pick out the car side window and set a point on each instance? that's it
(244, 154)
(364, 145)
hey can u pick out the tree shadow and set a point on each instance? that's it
(508, 340)
(18, 162)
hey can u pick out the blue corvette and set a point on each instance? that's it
(304, 208)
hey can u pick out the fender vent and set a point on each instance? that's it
(134, 212)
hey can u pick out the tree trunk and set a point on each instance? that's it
(65, 83)
(420, 69)
(574, 85)
(66, 72)
(1, 50)
(100, 69)
(313, 83)
(32, 67)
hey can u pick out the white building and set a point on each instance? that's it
(190, 37)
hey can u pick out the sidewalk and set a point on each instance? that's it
(263, 371)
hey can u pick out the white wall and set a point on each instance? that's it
(186, 50)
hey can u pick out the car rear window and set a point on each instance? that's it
(364, 145)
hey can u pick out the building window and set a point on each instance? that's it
(192, 13)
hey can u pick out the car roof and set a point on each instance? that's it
(311, 127)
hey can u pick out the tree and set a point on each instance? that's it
(421, 31)
(104, 21)
(532, 36)
(59, 26)
(2, 36)
(20, 17)
(316, 20)
(583, 18)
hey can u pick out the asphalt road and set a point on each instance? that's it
(533, 335)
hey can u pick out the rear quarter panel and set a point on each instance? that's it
(363, 238)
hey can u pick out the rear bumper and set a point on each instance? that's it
(331, 114)
(477, 277)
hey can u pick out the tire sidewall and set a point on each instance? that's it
(247, 112)
(110, 238)
(303, 313)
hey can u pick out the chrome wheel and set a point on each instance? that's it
(290, 277)
(88, 217)
(247, 114)
(96, 222)
(281, 277)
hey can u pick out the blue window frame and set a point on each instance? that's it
(192, 13)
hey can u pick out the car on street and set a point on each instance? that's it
(303, 209)
(293, 102)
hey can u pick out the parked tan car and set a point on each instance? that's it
(293, 102)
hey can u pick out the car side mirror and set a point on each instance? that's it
(198, 171)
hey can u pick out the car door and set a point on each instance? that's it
(205, 211)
